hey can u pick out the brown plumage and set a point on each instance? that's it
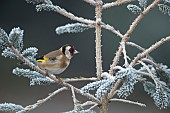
(57, 61)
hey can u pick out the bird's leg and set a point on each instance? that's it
(46, 73)
(59, 79)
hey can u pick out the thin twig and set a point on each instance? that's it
(74, 97)
(92, 107)
(79, 79)
(142, 73)
(112, 29)
(126, 64)
(150, 49)
(40, 102)
(113, 91)
(150, 73)
(88, 103)
(98, 11)
(116, 3)
(128, 101)
(135, 45)
(138, 47)
(69, 15)
(115, 60)
(91, 2)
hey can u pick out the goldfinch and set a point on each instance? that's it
(57, 61)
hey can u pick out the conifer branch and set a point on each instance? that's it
(53, 77)
(129, 32)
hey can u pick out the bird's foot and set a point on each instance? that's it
(60, 81)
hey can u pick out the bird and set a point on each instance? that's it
(57, 61)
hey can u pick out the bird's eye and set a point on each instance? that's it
(71, 50)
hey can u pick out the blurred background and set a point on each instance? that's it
(39, 31)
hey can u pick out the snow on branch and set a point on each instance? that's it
(15, 38)
(150, 49)
(143, 3)
(115, 3)
(72, 28)
(134, 8)
(35, 77)
(165, 9)
(129, 78)
(10, 107)
(51, 7)
(91, 2)
(4, 39)
(39, 1)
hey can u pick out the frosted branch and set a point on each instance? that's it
(91, 2)
(128, 101)
(39, 1)
(10, 107)
(116, 3)
(98, 12)
(150, 49)
(129, 32)
(113, 90)
(135, 45)
(112, 29)
(126, 64)
(143, 3)
(36, 68)
(51, 7)
(150, 73)
(40, 102)
(134, 9)
(72, 28)
(79, 79)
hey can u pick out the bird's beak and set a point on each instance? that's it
(75, 52)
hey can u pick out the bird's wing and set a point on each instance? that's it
(50, 56)
(53, 55)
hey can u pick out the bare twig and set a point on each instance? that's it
(80, 79)
(139, 47)
(115, 60)
(98, 11)
(128, 101)
(92, 107)
(150, 73)
(135, 45)
(91, 2)
(126, 64)
(150, 49)
(116, 3)
(113, 91)
(142, 73)
(88, 103)
(112, 29)
(70, 15)
(40, 102)
(75, 101)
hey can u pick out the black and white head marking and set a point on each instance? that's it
(68, 51)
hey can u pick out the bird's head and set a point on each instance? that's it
(69, 51)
